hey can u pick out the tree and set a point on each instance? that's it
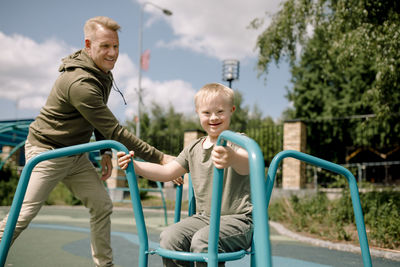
(164, 128)
(240, 116)
(345, 64)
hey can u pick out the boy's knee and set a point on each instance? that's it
(172, 239)
(199, 242)
(167, 240)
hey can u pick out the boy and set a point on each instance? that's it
(214, 106)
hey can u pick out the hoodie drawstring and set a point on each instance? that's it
(115, 88)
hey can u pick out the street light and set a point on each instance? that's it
(230, 70)
(139, 89)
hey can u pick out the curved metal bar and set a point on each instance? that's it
(262, 245)
(191, 199)
(178, 203)
(216, 199)
(68, 151)
(362, 235)
(11, 153)
(200, 257)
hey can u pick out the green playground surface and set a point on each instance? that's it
(59, 236)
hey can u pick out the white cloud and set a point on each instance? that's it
(178, 93)
(28, 70)
(218, 29)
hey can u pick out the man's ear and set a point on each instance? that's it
(87, 43)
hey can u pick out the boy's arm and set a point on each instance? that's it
(152, 171)
(225, 156)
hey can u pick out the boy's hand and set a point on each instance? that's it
(124, 159)
(222, 156)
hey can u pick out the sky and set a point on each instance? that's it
(187, 51)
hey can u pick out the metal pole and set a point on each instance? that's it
(139, 89)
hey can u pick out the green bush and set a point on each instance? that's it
(143, 183)
(335, 219)
(8, 184)
(382, 217)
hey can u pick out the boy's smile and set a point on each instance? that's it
(215, 116)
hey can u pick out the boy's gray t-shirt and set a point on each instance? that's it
(236, 188)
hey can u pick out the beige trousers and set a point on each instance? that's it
(80, 176)
(191, 234)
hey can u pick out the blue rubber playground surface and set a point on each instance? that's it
(59, 236)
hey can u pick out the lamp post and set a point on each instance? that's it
(230, 70)
(139, 89)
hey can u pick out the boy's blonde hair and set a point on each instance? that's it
(92, 24)
(212, 90)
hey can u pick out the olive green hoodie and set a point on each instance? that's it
(77, 107)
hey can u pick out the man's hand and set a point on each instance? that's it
(124, 159)
(178, 181)
(167, 158)
(106, 166)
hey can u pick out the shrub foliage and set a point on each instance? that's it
(334, 219)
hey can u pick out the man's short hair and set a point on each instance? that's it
(212, 90)
(92, 24)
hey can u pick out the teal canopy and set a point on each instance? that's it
(13, 133)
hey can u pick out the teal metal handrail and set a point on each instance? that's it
(68, 151)
(261, 242)
(362, 235)
(178, 200)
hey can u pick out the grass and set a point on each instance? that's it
(333, 220)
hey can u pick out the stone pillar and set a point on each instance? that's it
(293, 170)
(5, 152)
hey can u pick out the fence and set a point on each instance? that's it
(269, 138)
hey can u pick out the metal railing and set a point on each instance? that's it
(68, 151)
(355, 197)
(261, 248)
(260, 194)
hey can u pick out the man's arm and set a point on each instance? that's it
(88, 100)
(152, 171)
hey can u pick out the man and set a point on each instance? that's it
(75, 108)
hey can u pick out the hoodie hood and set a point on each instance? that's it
(81, 59)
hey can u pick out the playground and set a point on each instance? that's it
(135, 237)
(59, 236)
